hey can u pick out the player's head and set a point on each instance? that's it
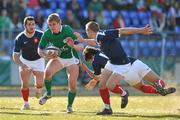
(92, 28)
(29, 24)
(54, 22)
(89, 53)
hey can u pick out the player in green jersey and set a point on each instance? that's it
(57, 35)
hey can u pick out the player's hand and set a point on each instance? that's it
(92, 83)
(147, 30)
(51, 55)
(70, 42)
(78, 35)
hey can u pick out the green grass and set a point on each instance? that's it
(139, 108)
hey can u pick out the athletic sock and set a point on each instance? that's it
(71, 96)
(48, 86)
(104, 93)
(25, 94)
(148, 89)
(107, 106)
(119, 90)
(161, 83)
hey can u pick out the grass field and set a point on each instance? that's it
(85, 108)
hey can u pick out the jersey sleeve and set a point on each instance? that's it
(97, 68)
(44, 40)
(17, 45)
(112, 33)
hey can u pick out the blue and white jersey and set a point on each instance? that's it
(111, 47)
(28, 46)
(100, 61)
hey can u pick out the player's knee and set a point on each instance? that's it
(101, 86)
(72, 88)
(110, 86)
(48, 75)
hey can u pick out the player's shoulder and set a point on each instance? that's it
(47, 31)
(39, 31)
(20, 35)
(66, 27)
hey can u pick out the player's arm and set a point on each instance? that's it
(90, 72)
(16, 54)
(16, 59)
(41, 53)
(42, 44)
(88, 41)
(131, 30)
(92, 83)
(78, 47)
(74, 44)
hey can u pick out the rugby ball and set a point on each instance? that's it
(51, 50)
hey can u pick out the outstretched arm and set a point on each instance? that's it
(77, 47)
(88, 41)
(147, 30)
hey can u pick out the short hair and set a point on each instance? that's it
(89, 52)
(94, 26)
(54, 17)
(31, 18)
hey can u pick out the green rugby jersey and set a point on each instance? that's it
(58, 40)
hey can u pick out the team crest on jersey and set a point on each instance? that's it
(36, 40)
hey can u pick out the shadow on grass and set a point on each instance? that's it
(175, 116)
(88, 113)
(24, 113)
(7, 108)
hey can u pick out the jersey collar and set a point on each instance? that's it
(27, 35)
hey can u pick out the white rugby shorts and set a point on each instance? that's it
(36, 65)
(120, 69)
(68, 61)
(136, 73)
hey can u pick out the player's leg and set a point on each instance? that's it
(72, 73)
(145, 88)
(152, 77)
(25, 79)
(104, 93)
(52, 67)
(158, 83)
(145, 73)
(38, 77)
(112, 85)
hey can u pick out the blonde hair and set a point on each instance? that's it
(54, 17)
(94, 26)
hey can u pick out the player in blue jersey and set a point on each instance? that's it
(26, 56)
(135, 76)
(118, 65)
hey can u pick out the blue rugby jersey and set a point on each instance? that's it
(28, 46)
(111, 47)
(100, 61)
